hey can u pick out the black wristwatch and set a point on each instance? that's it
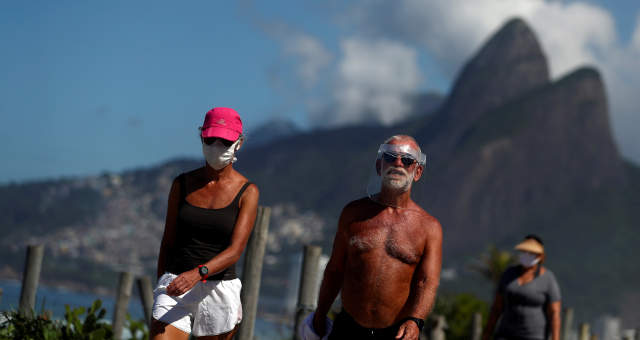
(204, 272)
(418, 321)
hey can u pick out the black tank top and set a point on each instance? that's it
(202, 234)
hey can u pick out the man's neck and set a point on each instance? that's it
(394, 198)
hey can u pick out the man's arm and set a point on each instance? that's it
(425, 281)
(427, 277)
(333, 276)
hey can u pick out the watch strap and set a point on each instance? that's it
(204, 277)
(419, 322)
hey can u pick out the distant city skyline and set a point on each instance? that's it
(94, 87)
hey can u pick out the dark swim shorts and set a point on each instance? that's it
(345, 327)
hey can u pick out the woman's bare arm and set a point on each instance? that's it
(553, 313)
(496, 311)
(169, 235)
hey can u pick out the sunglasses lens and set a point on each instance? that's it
(389, 158)
(407, 161)
(211, 140)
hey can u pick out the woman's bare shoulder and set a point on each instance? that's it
(251, 190)
(189, 175)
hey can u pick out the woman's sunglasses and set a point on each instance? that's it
(391, 158)
(211, 140)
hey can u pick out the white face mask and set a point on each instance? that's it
(528, 260)
(218, 156)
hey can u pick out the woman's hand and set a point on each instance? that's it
(183, 282)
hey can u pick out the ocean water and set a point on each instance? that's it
(54, 300)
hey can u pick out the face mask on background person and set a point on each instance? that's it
(528, 260)
(218, 156)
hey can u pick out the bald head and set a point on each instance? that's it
(403, 139)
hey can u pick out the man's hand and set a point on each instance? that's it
(408, 331)
(183, 282)
(319, 324)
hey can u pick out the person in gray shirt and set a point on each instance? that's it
(527, 300)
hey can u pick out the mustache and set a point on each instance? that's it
(396, 170)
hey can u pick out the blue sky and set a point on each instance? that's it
(89, 87)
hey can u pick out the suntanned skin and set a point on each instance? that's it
(211, 189)
(553, 310)
(386, 260)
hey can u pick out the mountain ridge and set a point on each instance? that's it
(510, 152)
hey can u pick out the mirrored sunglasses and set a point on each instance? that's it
(391, 158)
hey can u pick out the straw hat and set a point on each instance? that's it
(531, 246)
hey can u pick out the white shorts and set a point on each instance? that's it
(209, 308)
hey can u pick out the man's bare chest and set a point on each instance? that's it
(392, 240)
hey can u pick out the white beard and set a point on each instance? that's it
(395, 183)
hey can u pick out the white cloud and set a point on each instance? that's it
(635, 40)
(453, 30)
(372, 82)
(311, 56)
(621, 69)
(377, 70)
(572, 34)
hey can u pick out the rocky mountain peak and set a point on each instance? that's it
(510, 64)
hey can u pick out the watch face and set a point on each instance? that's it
(203, 270)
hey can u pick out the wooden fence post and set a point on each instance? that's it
(125, 286)
(585, 332)
(146, 297)
(438, 332)
(567, 323)
(30, 278)
(252, 273)
(307, 294)
(476, 331)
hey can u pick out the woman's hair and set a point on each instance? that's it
(534, 237)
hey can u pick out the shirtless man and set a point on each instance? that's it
(386, 256)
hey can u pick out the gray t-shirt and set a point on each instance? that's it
(524, 312)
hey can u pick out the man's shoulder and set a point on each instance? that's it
(359, 203)
(426, 219)
(355, 208)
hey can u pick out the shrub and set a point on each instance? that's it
(14, 326)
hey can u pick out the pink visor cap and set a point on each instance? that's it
(222, 122)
